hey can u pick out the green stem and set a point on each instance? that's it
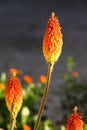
(44, 96)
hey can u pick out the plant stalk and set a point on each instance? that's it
(41, 109)
(12, 122)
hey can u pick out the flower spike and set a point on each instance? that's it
(13, 97)
(75, 121)
(52, 41)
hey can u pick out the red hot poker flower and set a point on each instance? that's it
(43, 79)
(75, 121)
(14, 70)
(13, 96)
(52, 41)
(52, 46)
(75, 74)
(27, 79)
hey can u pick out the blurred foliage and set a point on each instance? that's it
(75, 91)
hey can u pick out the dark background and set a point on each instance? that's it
(22, 26)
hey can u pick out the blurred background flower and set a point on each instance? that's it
(43, 79)
(26, 127)
(27, 79)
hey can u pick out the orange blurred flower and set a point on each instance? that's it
(26, 127)
(14, 70)
(27, 79)
(13, 95)
(2, 86)
(75, 74)
(52, 41)
(43, 79)
(75, 121)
